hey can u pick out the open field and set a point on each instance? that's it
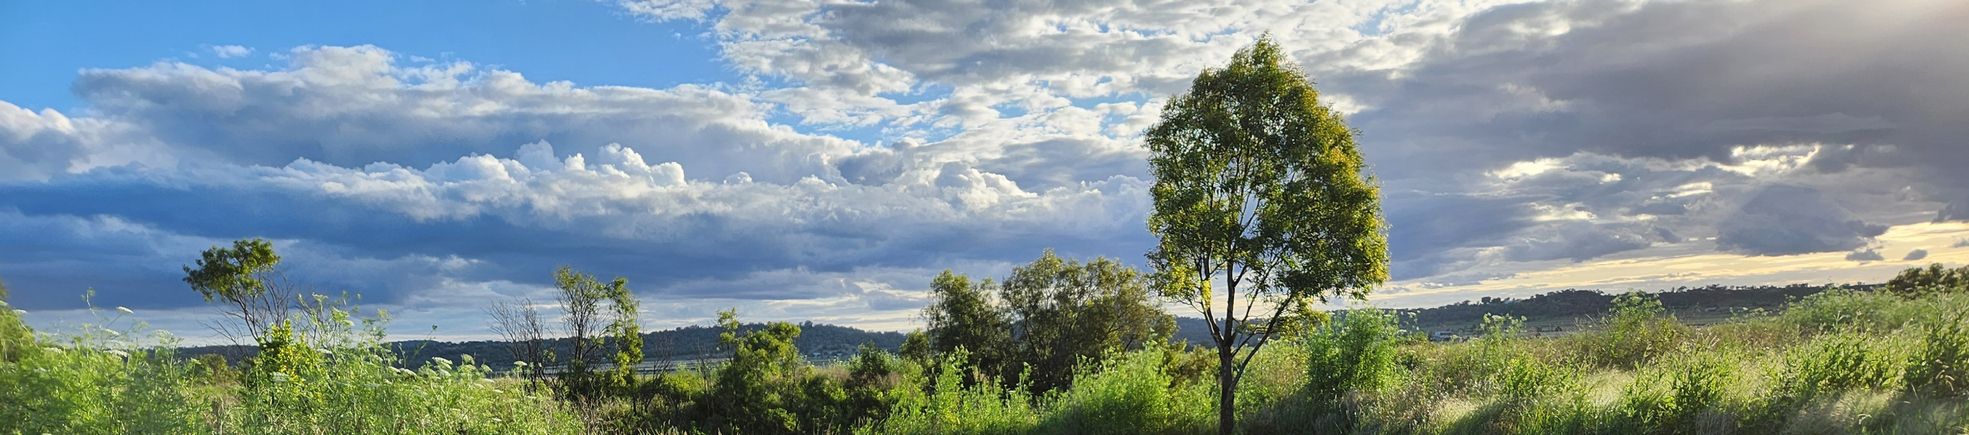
(1842, 361)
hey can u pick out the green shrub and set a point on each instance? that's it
(1130, 394)
(1935, 278)
(1845, 309)
(951, 408)
(1684, 396)
(1638, 329)
(1355, 356)
(1940, 365)
(1532, 397)
(104, 379)
(1838, 362)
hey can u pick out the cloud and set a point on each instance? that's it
(868, 145)
(229, 51)
(1915, 255)
(1785, 219)
(1864, 255)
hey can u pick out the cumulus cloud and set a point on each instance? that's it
(870, 144)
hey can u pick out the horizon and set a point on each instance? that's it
(823, 164)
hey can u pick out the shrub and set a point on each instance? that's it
(1638, 330)
(1130, 394)
(1940, 366)
(1351, 357)
(1846, 309)
(951, 408)
(1837, 362)
(101, 380)
(1533, 397)
(1676, 397)
(1932, 279)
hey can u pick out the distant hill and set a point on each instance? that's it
(1559, 310)
(820, 342)
(1564, 309)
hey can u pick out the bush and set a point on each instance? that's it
(1940, 366)
(1638, 330)
(1355, 356)
(1130, 394)
(1838, 362)
(1533, 397)
(1685, 396)
(950, 408)
(1935, 278)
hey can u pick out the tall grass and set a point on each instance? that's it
(1838, 362)
(102, 380)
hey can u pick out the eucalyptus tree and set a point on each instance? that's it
(243, 277)
(962, 315)
(1064, 311)
(1261, 203)
(581, 298)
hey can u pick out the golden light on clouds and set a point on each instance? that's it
(1645, 270)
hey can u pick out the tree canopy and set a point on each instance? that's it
(1261, 201)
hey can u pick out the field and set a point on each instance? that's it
(1840, 361)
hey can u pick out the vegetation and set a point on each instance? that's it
(1840, 360)
(1260, 192)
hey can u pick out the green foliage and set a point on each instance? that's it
(625, 333)
(916, 348)
(104, 380)
(1932, 279)
(1838, 362)
(581, 297)
(948, 407)
(1940, 365)
(1066, 311)
(757, 391)
(1260, 187)
(1637, 331)
(16, 340)
(962, 315)
(872, 377)
(1685, 396)
(232, 274)
(1355, 355)
(1131, 393)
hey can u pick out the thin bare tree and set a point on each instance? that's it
(518, 323)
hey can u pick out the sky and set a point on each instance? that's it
(824, 160)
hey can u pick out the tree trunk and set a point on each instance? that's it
(1226, 391)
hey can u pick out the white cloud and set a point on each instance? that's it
(229, 51)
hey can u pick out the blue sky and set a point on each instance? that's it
(822, 161)
(590, 43)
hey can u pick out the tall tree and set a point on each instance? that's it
(1260, 203)
(581, 298)
(243, 277)
(962, 315)
(625, 334)
(751, 395)
(1064, 311)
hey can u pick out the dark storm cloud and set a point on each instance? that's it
(1783, 219)
(1678, 80)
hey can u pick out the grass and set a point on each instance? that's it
(1836, 362)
